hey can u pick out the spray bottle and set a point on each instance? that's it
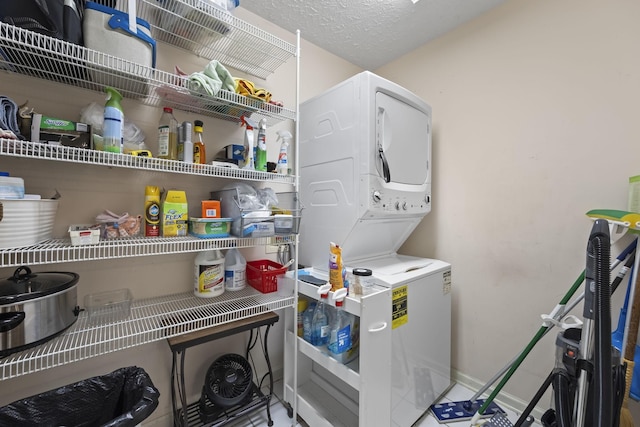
(249, 162)
(283, 156)
(113, 122)
(261, 152)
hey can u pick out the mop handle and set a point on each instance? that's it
(512, 366)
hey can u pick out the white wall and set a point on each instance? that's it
(87, 190)
(535, 123)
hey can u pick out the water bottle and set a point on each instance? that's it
(321, 319)
(340, 328)
(307, 317)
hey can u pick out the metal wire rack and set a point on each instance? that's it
(44, 57)
(150, 320)
(60, 250)
(36, 150)
(208, 31)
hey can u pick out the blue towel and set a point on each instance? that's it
(9, 116)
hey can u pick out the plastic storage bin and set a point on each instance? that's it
(206, 228)
(263, 275)
(260, 222)
(124, 397)
(26, 222)
(108, 306)
(107, 30)
(84, 234)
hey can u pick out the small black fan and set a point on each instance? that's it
(228, 380)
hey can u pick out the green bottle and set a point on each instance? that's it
(261, 149)
(113, 122)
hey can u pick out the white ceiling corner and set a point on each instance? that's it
(369, 33)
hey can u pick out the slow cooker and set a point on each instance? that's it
(35, 307)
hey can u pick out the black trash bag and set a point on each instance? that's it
(123, 398)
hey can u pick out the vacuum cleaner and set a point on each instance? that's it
(587, 380)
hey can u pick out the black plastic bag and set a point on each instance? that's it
(123, 398)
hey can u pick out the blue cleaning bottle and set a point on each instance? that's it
(320, 320)
(340, 328)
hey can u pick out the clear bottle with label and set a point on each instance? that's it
(168, 135)
(321, 319)
(340, 328)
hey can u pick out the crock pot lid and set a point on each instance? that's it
(24, 284)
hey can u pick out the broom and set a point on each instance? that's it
(626, 419)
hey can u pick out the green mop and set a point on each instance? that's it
(557, 315)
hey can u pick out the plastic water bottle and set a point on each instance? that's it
(321, 319)
(307, 317)
(340, 328)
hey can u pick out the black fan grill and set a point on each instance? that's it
(228, 380)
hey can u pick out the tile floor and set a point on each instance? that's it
(281, 419)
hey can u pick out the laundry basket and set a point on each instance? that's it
(121, 398)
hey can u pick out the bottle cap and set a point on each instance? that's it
(168, 110)
(362, 272)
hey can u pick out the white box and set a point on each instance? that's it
(84, 234)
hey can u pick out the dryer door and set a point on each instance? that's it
(403, 139)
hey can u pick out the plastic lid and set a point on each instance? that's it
(198, 123)
(362, 272)
(168, 110)
(4, 173)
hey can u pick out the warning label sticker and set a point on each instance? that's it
(446, 284)
(399, 312)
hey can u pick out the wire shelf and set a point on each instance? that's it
(36, 150)
(150, 320)
(37, 55)
(61, 250)
(202, 28)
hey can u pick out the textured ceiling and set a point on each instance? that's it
(369, 33)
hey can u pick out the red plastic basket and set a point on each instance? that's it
(263, 275)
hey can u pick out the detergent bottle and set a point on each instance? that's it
(113, 122)
(209, 274)
(261, 148)
(320, 320)
(283, 156)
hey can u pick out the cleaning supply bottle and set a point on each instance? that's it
(199, 153)
(320, 320)
(283, 156)
(261, 147)
(235, 267)
(209, 274)
(113, 122)
(151, 211)
(168, 135)
(340, 328)
(187, 144)
(249, 152)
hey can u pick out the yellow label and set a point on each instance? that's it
(399, 312)
(175, 214)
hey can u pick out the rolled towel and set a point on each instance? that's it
(9, 115)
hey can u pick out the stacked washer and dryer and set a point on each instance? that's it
(365, 183)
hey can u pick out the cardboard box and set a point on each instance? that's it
(50, 130)
(210, 209)
(175, 214)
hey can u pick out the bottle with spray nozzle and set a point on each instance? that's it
(283, 156)
(113, 122)
(249, 162)
(261, 150)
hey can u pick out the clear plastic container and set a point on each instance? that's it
(363, 280)
(108, 306)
